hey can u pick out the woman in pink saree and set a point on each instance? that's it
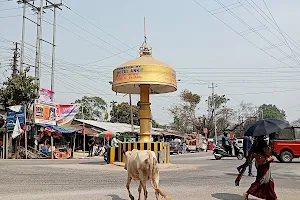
(263, 187)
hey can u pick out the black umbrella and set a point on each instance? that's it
(266, 127)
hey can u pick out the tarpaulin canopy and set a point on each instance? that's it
(64, 129)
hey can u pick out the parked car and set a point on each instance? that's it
(175, 148)
(286, 145)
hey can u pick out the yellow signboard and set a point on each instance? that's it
(161, 78)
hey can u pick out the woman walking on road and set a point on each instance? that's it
(263, 187)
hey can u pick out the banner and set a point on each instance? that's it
(65, 113)
(44, 114)
(46, 96)
(11, 117)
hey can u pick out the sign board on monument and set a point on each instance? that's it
(44, 114)
(204, 130)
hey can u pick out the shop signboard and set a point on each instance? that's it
(44, 114)
(65, 113)
(46, 96)
(11, 117)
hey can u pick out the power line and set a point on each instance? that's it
(99, 28)
(85, 39)
(95, 35)
(243, 36)
(275, 27)
(292, 41)
(250, 28)
(281, 32)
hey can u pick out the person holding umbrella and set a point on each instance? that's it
(263, 186)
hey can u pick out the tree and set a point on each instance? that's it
(272, 111)
(93, 108)
(223, 114)
(18, 90)
(219, 100)
(245, 115)
(296, 123)
(121, 113)
(156, 125)
(184, 113)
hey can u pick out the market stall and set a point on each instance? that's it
(58, 140)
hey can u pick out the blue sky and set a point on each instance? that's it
(194, 42)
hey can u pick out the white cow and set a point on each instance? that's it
(142, 165)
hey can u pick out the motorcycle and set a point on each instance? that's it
(103, 152)
(220, 152)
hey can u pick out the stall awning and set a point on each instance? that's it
(64, 129)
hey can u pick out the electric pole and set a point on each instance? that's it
(40, 11)
(213, 106)
(15, 60)
(131, 114)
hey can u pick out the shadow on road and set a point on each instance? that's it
(115, 197)
(228, 196)
(93, 163)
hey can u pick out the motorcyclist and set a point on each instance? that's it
(225, 143)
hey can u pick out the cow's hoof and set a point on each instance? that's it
(131, 197)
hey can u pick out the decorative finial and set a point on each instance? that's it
(144, 49)
(145, 37)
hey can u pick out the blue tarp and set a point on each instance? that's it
(59, 129)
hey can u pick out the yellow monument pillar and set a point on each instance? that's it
(145, 113)
(144, 76)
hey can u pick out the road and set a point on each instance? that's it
(198, 177)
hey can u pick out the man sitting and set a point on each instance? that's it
(225, 143)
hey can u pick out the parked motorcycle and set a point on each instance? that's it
(220, 152)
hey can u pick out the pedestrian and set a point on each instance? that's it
(263, 187)
(247, 144)
(91, 144)
(184, 147)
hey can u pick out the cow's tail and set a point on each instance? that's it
(153, 166)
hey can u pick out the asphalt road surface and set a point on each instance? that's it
(198, 177)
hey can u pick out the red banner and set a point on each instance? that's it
(65, 113)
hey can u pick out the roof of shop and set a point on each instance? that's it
(114, 127)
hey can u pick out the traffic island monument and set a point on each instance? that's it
(144, 76)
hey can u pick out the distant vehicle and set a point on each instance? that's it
(220, 152)
(175, 148)
(286, 145)
(195, 143)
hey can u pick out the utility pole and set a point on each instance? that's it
(39, 40)
(38, 58)
(213, 105)
(54, 6)
(15, 60)
(53, 50)
(131, 114)
(23, 37)
(83, 129)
